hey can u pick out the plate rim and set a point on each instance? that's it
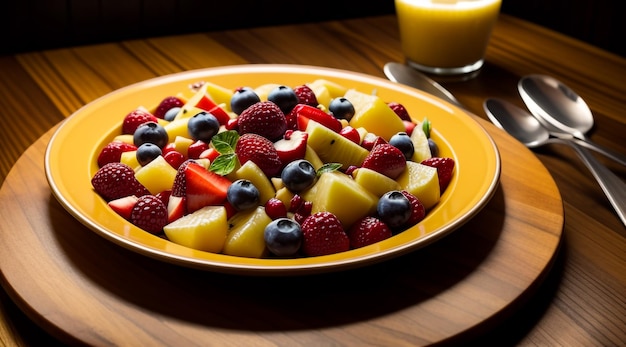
(246, 267)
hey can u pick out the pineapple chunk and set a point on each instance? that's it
(246, 235)
(421, 181)
(126, 138)
(221, 95)
(371, 112)
(313, 158)
(339, 194)
(177, 127)
(157, 176)
(285, 195)
(130, 158)
(331, 147)
(325, 91)
(375, 182)
(263, 90)
(205, 229)
(251, 172)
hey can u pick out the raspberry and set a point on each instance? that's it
(166, 104)
(136, 118)
(305, 95)
(112, 152)
(323, 234)
(368, 230)
(400, 110)
(149, 214)
(117, 180)
(260, 151)
(418, 212)
(263, 118)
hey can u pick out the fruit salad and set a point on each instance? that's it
(272, 171)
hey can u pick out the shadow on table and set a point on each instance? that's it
(281, 303)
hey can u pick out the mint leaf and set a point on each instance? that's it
(224, 164)
(225, 142)
(328, 167)
(426, 127)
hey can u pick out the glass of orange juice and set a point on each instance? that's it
(446, 37)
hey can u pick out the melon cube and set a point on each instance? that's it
(157, 176)
(204, 229)
(246, 235)
(421, 181)
(375, 182)
(372, 113)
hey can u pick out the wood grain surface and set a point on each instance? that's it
(582, 300)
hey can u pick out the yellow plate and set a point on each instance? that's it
(70, 162)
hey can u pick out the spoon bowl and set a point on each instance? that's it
(563, 112)
(528, 130)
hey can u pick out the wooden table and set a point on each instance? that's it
(579, 300)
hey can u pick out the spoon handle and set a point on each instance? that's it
(614, 188)
(586, 142)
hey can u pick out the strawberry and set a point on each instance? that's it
(351, 134)
(368, 230)
(135, 119)
(195, 149)
(166, 104)
(400, 110)
(418, 212)
(263, 118)
(385, 159)
(305, 95)
(199, 186)
(174, 158)
(445, 168)
(149, 214)
(259, 150)
(124, 206)
(292, 146)
(304, 113)
(117, 180)
(323, 234)
(112, 152)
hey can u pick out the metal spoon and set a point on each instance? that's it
(527, 129)
(562, 111)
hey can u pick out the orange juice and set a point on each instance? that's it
(446, 35)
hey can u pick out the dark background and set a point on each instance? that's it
(38, 24)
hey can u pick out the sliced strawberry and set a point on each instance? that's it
(351, 134)
(149, 214)
(209, 153)
(112, 152)
(203, 187)
(370, 140)
(117, 180)
(180, 183)
(323, 234)
(124, 206)
(368, 230)
(418, 212)
(305, 112)
(409, 127)
(260, 151)
(385, 159)
(166, 104)
(445, 169)
(400, 110)
(164, 196)
(210, 106)
(136, 118)
(292, 146)
(306, 95)
(176, 208)
(263, 118)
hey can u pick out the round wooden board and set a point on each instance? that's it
(84, 289)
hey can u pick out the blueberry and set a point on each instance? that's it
(242, 99)
(171, 114)
(434, 149)
(283, 237)
(403, 142)
(151, 132)
(147, 152)
(203, 126)
(394, 209)
(341, 108)
(284, 97)
(243, 195)
(298, 175)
